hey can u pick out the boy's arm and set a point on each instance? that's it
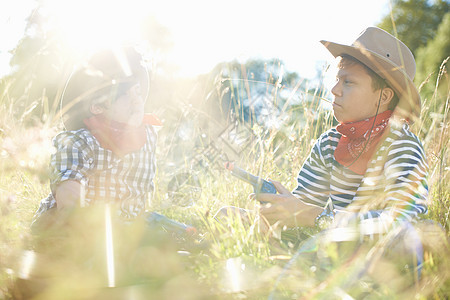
(313, 180)
(307, 201)
(68, 194)
(69, 167)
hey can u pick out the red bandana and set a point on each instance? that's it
(357, 144)
(118, 137)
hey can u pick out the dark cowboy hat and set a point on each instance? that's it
(105, 76)
(389, 58)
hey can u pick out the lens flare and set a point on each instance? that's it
(109, 248)
(27, 264)
(233, 267)
(89, 25)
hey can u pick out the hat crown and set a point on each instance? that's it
(381, 43)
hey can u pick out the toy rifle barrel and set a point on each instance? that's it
(243, 175)
(260, 185)
(158, 220)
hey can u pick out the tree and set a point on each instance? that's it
(37, 65)
(254, 91)
(424, 26)
(431, 57)
(415, 21)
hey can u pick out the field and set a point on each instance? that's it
(225, 260)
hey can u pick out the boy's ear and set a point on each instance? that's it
(97, 109)
(386, 95)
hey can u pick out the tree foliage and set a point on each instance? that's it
(415, 22)
(257, 90)
(424, 26)
(431, 58)
(37, 65)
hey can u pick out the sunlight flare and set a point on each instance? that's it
(90, 25)
(234, 267)
(27, 264)
(109, 248)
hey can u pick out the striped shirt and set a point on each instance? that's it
(126, 181)
(393, 188)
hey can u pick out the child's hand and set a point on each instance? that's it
(287, 209)
(68, 195)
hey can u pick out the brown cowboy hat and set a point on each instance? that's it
(389, 58)
(107, 74)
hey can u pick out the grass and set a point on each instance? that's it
(227, 260)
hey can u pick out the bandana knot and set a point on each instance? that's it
(359, 141)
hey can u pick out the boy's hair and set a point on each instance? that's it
(377, 82)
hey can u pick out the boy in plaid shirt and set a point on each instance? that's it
(107, 153)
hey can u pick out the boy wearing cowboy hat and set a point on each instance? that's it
(370, 166)
(107, 152)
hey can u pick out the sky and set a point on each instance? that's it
(206, 32)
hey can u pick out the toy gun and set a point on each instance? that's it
(159, 221)
(259, 185)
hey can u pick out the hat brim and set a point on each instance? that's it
(409, 99)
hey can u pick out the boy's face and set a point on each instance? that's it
(128, 108)
(354, 97)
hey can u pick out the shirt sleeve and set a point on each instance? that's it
(314, 177)
(72, 160)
